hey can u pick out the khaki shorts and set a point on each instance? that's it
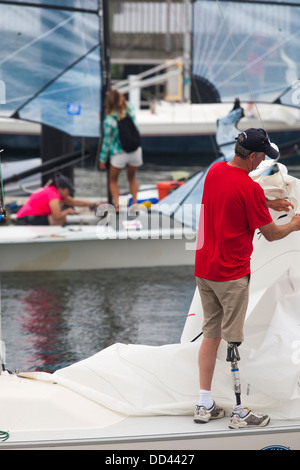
(224, 308)
(122, 159)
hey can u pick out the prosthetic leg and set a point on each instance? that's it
(233, 357)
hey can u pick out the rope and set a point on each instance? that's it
(4, 436)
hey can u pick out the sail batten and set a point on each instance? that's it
(67, 5)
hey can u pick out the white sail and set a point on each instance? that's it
(51, 64)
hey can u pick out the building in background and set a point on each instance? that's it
(146, 33)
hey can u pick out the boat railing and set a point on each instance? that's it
(135, 83)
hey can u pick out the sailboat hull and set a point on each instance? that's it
(79, 248)
(184, 133)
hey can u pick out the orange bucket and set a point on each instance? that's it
(166, 187)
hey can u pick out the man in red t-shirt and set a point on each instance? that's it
(234, 206)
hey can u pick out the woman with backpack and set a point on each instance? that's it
(121, 144)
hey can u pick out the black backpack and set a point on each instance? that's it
(129, 135)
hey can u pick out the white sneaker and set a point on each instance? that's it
(251, 420)
(203, 415)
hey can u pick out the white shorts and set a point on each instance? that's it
(122, 159)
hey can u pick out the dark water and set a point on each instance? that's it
(51, 320)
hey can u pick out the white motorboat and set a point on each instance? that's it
(86, 247)
(146, 238)
(185, 133)
(190, 119)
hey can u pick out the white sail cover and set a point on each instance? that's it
(153, 380)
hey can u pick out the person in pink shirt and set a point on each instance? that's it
(43, 207)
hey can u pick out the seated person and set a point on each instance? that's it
(44, 206)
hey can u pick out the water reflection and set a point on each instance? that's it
(43, 325)
(51, 320)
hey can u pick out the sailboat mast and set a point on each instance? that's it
(105, 42)
(106, 75)
(2, 345)
(2, 201)
(187, 52)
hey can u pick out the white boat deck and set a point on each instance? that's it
(44, 415)
(161, 432)
(173, 118)
(200, 119)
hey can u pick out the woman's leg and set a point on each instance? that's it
(133, 184)
(113, 184)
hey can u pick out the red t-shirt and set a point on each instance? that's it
(233, 207)
(38, 202)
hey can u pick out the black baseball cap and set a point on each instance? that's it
(258, 140)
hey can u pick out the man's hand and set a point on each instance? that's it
(280, 205)
(296, 222)
(273, 232)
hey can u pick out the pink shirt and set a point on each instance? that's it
(38, 202)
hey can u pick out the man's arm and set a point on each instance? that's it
(273, 232)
